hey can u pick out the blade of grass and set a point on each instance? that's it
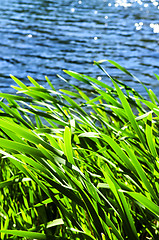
(26, 234)
(130, 114)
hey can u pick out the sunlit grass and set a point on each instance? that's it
(79, 171)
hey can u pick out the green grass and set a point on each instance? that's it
(75, 166)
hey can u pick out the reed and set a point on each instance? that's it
(75, 166)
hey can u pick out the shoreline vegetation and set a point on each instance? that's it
(87, 170)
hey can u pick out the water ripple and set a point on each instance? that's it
(41, 38)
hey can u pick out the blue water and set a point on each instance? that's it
(43, 37)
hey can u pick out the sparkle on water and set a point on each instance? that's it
(29, 35)
(139, 25)
(125, 3)
(72, 10)
(99, 78)
(155, 27)
(74, 33)
(129, 3)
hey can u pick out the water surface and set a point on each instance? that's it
(43, 37)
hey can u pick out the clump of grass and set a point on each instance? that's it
(97, 171)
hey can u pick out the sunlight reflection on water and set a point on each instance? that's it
(41, 38)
